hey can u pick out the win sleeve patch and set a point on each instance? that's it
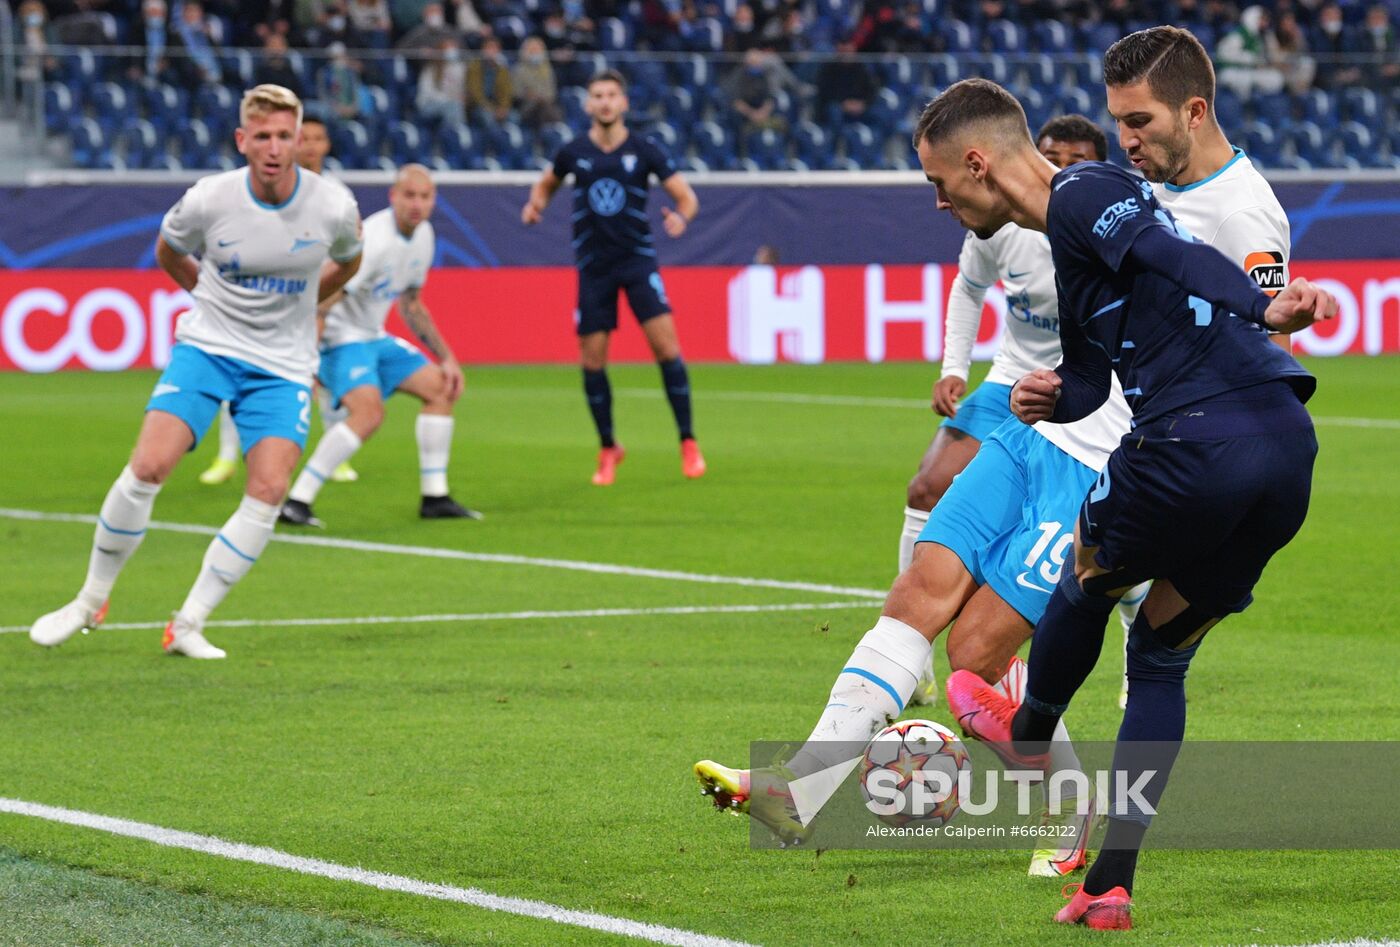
(1265, 267)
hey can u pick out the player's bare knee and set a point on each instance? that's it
(975, 654)
(366, 417)
(150, 469)
(923, 493)
(270, 489)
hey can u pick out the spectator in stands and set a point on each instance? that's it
(880, 26)
(565, 39)
(1378, 42)
(489, 92)
(1246, 59)
(200, 63)
(273, 66)
(339, 86)
(34, 21)
(1333, 44)
(469, 23)
(442, 85)
(659, 29)
(1299, 69)
(408, 14)
(371, 22)
(792, 33)
(428, 33)
(154, 66)
(743, 34)
(751, 94)
(913, 36)
(536, 92)
(845, 87)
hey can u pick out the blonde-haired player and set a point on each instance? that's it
(313, 147)
(361, 364)
(270, 240)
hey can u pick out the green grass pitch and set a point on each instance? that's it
(549, 758)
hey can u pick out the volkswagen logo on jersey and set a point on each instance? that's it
(606, 197)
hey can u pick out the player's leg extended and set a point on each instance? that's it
(661, 336)
(352, 374)
(950, 451)
(871, 689)
(433, 431)
(593, 359)
(225, 465)
(1128, 607)
(237, 545)
(121, 523)
(331, 415)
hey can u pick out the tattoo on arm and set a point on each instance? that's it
(420, 321)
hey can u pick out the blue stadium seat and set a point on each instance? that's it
(693, 73)
(1262, 143)
(111, 106)
(399, 76)
(511, 30)
(59, 107)
(167, 108)
(1309, 143)
(90, 146)
(993, 66)
(944, 70)
(1052, 36)
(1356, 140)
(299, 67)
(706, 36)
(811, 145)
(861, 144)
(457, 145)
(139, 144)
(766, 149)
(1038, 109)
(352, 145)
(1074, 100)
(572, 98)
(237, 65)
(1005, 36)
(958, 37)
(1205, 33)
(614, 35)
(1040, 70)
(1319, 106)
(713, 146)
(1274, 108)
(1287, 162)
(509, 145)
(216, 105)
(679, 106)
(885, 112)
(1097, 37)
(900, 75)
(407, 143)
(1362, 105)
(197, 147)
(788, 106)
(1229, 110)
(553, 137)
(1084, 71)
(79, 70)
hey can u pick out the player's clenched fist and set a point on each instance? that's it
(1033, 397)
(530, 214)
(1300, 305)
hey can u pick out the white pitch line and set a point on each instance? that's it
(859, 401)
(483, 616)
(271, 857)
(435, 552)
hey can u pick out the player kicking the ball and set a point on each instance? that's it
(1213, 479)
(614, 252)
(361, 364)
(271, 239)
(312, 148)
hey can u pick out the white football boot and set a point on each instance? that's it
(183, 636)
(57, 627)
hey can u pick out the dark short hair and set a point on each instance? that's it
(608, 75)
(314, 120)
(1075, 128)
(970, 102)
(1173, 62)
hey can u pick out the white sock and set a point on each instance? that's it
(228, 435)
(121, 525)
(870, 691)
(1129, 604)
(336, 447)
(914, 522)
(330, 414)
(230, 556)
(434, 433)
(1063, 757)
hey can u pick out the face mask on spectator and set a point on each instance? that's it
(336, 24)
(33, 19)
(1332, 27)
(155, 22)
(433, 19)
(452, 55)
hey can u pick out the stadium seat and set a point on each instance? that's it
(1319, 106)
(944, 70)
(885, 112)
(1074, 100)
(1229, 110)
(572, 98)
(553, 137)
(1038, 71)
(706, 36)
(1274, 108)
(511, 30)
(1205, 33)
(861, 144)
(407, 144)
(811, 145)
(993, 66)
(1097, 37)
(614, 35)
(138, 143)
(238, 67)
(352, 145)
(79, 70)
(197, 148)
(1262, 143)
(90, 147)
(713, 146)
(1362, 105)
(1084, 72)
(1355, 139)
(1308, 143)
(766, 149)
(958, 37)
(509, 145)
(1005, 36)
(1052, 36)
(900, 75)
(59, 107)
(457, 145)
(678, 105)
(216, 105)
(110, 105)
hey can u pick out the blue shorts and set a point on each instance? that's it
(598, 289)
(982, 412)
(195, 383)
(1009, 516)
(385, 363)
(1205, 497)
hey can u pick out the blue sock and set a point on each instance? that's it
(1064, 649)
(599, 394)
(677, 382)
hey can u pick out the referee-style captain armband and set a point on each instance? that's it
(1201, 270)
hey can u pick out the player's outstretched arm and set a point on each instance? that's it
(181, 266)
(1299, 305)
(420, 321)
(1201, 270)
(687, 205)
(334, 276)
(541, 193)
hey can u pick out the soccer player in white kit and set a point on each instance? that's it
(312, 149)
(1155, 80)
(270, 239)
(361, 364)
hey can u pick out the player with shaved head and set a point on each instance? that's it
(361, 364)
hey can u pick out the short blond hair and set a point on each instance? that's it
(268, 98)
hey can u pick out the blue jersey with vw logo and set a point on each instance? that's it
(610, 197)
(1169, 348)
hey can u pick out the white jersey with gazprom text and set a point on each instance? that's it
(392, 264)
(260, 266)
(1235, 211)
(1020, 260)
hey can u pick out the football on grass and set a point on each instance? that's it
(909, 775)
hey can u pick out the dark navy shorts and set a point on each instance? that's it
(598, 288)
(1205, 497)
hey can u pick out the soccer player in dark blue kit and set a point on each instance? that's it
(1212, 480)
(613, 248)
